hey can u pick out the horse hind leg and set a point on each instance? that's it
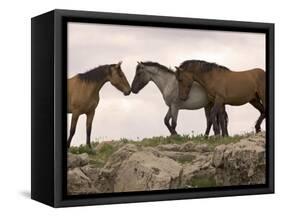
(222, 121)
(167, 120)
(174, 114)
(225, 119)
(74, 120)
(257, 104)
(217, 117)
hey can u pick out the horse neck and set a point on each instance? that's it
(166, 82)
(203, 79)
(97, 85)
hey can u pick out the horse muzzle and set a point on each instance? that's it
(135, 91)
(126, 93)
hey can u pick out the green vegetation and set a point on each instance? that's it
(89, 149)
(102, 155)
(181, 139)
(202, 181)
(97, 157)
(185, 159)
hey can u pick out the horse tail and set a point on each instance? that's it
(261, 86)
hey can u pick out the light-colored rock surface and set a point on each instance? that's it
(170, 166)
(241, 163)
(144, 171)
(77, 160)
(79, 183)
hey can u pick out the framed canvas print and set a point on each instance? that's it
(134, 108)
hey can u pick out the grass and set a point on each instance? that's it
(181, 139)
(83, 149)
(102, 155)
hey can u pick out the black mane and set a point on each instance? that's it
(201, 65)
(149, 63)
(97, 74)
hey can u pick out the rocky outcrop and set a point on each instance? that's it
(241, 163)
(147, 170)
(74, 160)
(139, 168)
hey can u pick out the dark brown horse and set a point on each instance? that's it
(224, 87)
(83, 93)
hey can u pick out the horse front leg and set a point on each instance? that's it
(167, 120)
(174, 114)
(208, 119)
(90, 117)
(74, 120)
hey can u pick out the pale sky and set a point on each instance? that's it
(141, 115)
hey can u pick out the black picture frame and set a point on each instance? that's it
(48, 109)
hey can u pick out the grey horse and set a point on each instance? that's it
(166, 81)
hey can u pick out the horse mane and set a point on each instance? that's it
(201, 66)
(155, 64)
(97, 74)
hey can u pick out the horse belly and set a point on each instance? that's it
(240, 96)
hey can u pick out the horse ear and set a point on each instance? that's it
(119, 64)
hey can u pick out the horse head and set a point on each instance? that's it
(118, 79)
(141, 79)
(185, 80)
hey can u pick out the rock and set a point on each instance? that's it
(170, 147)
(102, 145)
(119, 156)
(100, 178)
(170, 166)
(181, 157)
(79, 183)
(241, 163)
(144, 171)
(77, 160)
(187, 147)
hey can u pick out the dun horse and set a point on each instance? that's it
(83, 93)
(166, 81)
(224, 87)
